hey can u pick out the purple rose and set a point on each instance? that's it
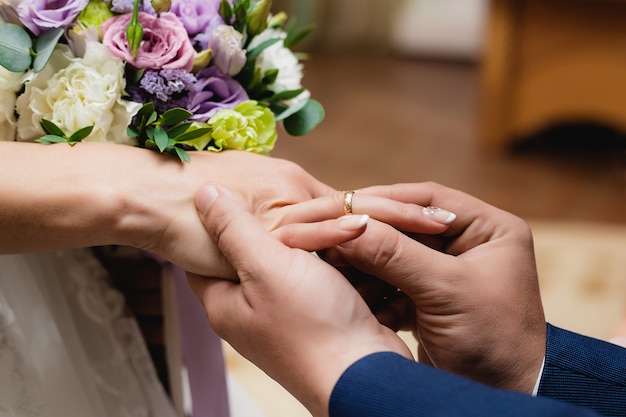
(213, 92)
(41, 15)
(197, 15)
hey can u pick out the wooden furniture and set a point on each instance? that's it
(552, 61)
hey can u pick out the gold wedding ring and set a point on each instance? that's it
(347, 202)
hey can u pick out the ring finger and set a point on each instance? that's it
(404, 216)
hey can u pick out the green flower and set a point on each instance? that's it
(248, 127)
(96, 13)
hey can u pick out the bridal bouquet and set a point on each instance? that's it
(168, 75)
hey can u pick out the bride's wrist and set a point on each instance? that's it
(147, 197)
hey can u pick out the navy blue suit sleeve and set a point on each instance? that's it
(389, 385)
(584, 371)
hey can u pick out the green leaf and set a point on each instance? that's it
(193, 134)
(285, 95)
(48, 139)
(44, 46)
(81, 134)
(255, 52)
(178, 130)
(294, 37)
(255, 81)
(305, 120)
(270, 76)
(175, 116)
(132, 131)
(15, 48)
(146, 115)
(182, 154)
(282, 112)
(51, 128)
(161, 138)
(149, 144)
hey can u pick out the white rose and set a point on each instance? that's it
(10, 84)
(277, 56)
(77, 92)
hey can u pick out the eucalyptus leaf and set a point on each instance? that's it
(288, 111)
(81, 134)
(15, 48)
(152, 118)
(182, 154)
(174, 116)
(132, 131)
(51, 128)
(44, 46)
(161, 138)
(305, 120)
(48, 139)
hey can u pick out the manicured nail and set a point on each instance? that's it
(205, 197)
(439, 215)
(353, 221)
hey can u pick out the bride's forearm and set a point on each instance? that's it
(61, 196)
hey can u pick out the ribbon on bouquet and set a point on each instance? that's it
(201, 372)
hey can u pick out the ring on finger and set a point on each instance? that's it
(347, 202)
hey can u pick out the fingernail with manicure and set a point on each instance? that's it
(353, 222)
(205, 197)
(439, 215)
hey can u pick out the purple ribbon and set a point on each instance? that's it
(202, 353)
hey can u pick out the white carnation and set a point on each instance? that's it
(10, 84)
(77, 92)
(277, 56)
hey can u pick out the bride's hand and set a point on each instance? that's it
(174, 230)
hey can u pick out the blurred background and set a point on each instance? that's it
(521, 103)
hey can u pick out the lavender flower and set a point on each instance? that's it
(213, 92)
(41, 15)
(166, 88)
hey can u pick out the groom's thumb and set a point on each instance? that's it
(206, 195)
(238, 235)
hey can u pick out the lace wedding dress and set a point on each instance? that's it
(68, 347)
